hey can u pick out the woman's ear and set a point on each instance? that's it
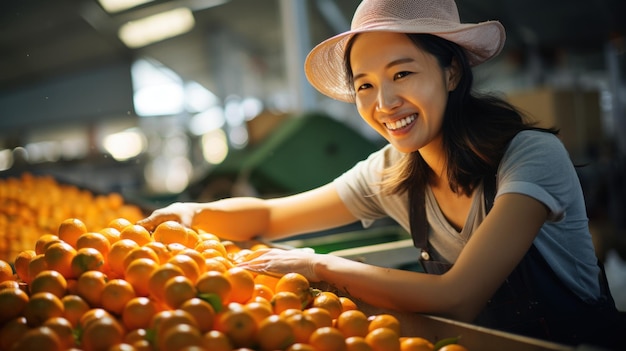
(453, 74)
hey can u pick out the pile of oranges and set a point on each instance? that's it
(31, 206)
(122, 288)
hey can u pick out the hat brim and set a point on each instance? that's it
(324, 65)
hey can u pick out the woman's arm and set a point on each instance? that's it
(242, 218)
(493, 251)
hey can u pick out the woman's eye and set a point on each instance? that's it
(401, 74)
(363, 87)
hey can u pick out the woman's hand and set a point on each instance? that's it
(182, 212)
(278, 262)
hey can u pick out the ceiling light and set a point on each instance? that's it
(155, 28)
(112, 6)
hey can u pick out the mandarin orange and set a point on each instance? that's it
(13, 301)
(89, 287)
(70, 229)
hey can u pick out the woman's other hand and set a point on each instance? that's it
(179, 211)
(278, 262)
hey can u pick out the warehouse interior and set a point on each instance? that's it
(222, 108)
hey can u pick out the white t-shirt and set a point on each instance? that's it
(535, 164)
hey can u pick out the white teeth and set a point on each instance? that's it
(400, 123)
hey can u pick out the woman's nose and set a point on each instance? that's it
(388, 99)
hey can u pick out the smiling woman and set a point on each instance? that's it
(503, 245)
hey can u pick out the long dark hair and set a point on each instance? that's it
(476, 127)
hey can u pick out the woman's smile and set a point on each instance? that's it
(402, 124)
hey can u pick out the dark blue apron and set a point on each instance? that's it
(533, 301)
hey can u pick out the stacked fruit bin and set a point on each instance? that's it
(87, 284)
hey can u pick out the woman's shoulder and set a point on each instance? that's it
(539, 140)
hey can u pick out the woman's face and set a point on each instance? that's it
(401, 90)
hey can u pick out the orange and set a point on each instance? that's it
(212, 284)
(209, 253)
(70, 229)
(329, 301)
(96, 241)
(138, 275)
(9, 284)
(171, 232)
(300, 347)
(215, 340)
(187, 264)
(116, 256)
(415, 343)
(112, 234)
(192, 237)
(347, 304)
(353, 323)
(196, 256)
(211, 264)
(93, 315)
(327, 339)
(453, 347)
(138, 313)
(178, 290)
(59, 256)
(139, 252)
(258, 310)
(383, 339)
(166, 319)
(12, 331)
(238, 325)
(89, 287)
(39, 338)
(202, 312)
(49, 281)
(285, 300)
(74, 307)
(21, 262)
(275, 333)
(175, 248)
(37, 264)
(42, 306)
(231, 247)
(12, 303)
(136, 335)
(160, 249)
(6, 272)
(225, 261)
(263, 291)
(242, 283)
(64, 330)
(211, 244)
(43, 241)
(384, 321)
(102, 334)
(116, 294)
(122, 347)
(267, 280)
(302, 325)
(87, 259)
(289, 312)
(119, 223)
(357, 343)
(180, 337)
(297, 284)
(158, 278)
(320, 316)
(136, 233)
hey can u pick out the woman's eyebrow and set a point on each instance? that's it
(389, 65)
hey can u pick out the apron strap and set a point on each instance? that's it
(419, 223)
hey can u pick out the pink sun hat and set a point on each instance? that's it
(324, 66)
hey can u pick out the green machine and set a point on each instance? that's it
(302, 153)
